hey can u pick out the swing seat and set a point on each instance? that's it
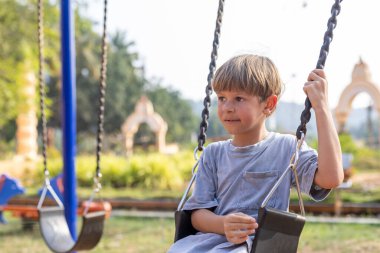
(278, 231)
(183, 226)
(57, 235)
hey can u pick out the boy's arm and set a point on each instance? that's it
(206, 221)
(235, 226)
(330, 172)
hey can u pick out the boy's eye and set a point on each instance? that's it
(239, 99)
(221, 99)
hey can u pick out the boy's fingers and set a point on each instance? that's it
(238, 236)
(237, 226)
(238, 240)
(240, 217)
(316, 74)
(319, 72)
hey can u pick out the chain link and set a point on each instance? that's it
(42, 83)
(328, 37)
(212, 67)
(102, 92)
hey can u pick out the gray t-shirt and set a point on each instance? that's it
(237, 179)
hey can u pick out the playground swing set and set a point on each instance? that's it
(279, 230)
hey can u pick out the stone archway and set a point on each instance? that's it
(144, 113)
(361, 82)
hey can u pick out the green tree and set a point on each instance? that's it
(125, 78)
(176, 112)
(88, 47)
(15, 20)
(19, 54)
(347, 143)
(125, 82)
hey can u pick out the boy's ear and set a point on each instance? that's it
(270, 106)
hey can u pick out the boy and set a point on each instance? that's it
(234, 176)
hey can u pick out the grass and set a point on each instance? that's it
(340, 238)
(135, 235)
(127, 235)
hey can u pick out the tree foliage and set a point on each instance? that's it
(125, 82)
(125, 85)
(14, 22)
(175, 111)
(19, 54)
(125, 79)
(347, 144)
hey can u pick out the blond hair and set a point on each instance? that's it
(256, 75)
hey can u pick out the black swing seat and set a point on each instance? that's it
(183, 225)
(56, 233)
(278, 231)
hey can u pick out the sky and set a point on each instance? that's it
(174, 39)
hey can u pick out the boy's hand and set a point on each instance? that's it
(237, 227)
(316, 88)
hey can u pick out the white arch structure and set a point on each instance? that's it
(361, 82)
(144, 113)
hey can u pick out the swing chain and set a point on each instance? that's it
(293, 167)
(97, 183)
(328, 37)
(102, 91)
(42, 85)
(212, 67)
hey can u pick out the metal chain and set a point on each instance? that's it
(42, 83)
(212, 67)
(102, 87)
(102, 91)
(328, 37)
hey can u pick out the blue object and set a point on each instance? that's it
(57, 185)
(69, 114)
(9, 187)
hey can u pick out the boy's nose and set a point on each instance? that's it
(229, 107)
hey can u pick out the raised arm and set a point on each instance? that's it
(330, 172)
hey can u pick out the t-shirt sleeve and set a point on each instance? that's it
(306, 168)
(203, 195)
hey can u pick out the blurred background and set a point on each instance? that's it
(158, 57)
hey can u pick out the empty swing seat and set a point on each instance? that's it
(56, 233)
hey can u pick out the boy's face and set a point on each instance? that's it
(241, 114)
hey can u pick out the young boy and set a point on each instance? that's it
(234, 176)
